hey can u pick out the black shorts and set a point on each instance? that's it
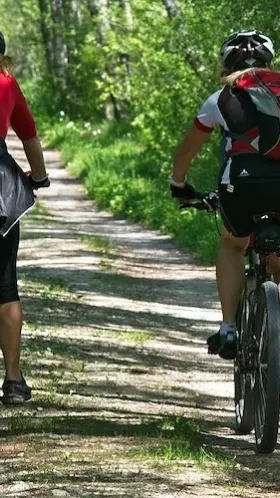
(8, 260)
(255, 193)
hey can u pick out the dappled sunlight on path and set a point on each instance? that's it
(126, 400)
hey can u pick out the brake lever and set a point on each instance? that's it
(203, 202)
(209, 207)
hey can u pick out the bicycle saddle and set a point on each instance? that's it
(267, 235)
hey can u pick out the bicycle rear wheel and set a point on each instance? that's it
(243, 380)
(267, 381)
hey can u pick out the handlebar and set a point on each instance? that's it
(208, 201)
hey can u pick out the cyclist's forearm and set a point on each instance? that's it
(34, 154)
(186, 152)
(181, 164)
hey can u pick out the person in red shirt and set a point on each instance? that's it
(16, 198)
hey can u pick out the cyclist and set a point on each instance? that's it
(16, 197)
(242, 191)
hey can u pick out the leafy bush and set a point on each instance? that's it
(119, 176)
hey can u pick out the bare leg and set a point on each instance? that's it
(10, 337)
(230, 273)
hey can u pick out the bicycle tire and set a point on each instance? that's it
(267, 380)
(243, 382)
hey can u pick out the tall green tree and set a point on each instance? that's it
(145, 61)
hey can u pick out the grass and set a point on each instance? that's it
(164, 443)
(167, 452)
(101, 244)
(180, 440)
(137, 336)
(105, 265)
(39, 214)
(29, 424)
(94, 425)
(45, 286)
(125, 177)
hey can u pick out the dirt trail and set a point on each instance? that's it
(114, 346)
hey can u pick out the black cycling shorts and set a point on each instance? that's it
(8, 260)
(256, 190)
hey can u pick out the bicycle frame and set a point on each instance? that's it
(257, 362)
(256, 273)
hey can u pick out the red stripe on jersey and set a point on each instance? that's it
(202, 127)
(238, 147)
(254, 132)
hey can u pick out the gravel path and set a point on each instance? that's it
(134, 318)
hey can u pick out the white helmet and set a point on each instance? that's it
(244, 49)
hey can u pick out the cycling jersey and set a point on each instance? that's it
(235, 113)
(249, 183)
(14, 110)
(209, 115)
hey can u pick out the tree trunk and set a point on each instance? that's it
(128, 13)
(93, 7)
(174, 12)
(76, 11)
(124, 57)
(71, 21)
(59, 46)
(99, 10)
(46, 34)
(172, 8)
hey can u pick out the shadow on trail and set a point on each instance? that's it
(138, 415)
(187, 291)
(140, 436)
(186, 298)
(58, 310)
(95, 405)
(118, 417)
(115, 228)
(129, 356)
(58, 313)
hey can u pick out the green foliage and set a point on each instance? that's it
(38, 91)
(20, 25)
(144, 63)
(119, 176)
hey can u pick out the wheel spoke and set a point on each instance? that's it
(262, 377)
(243, 384)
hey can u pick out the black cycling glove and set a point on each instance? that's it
(42, 183)
(187, 191)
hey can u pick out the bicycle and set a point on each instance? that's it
(257, 362)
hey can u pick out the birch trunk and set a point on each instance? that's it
(59, 46)
(172, 8)
(174, 12)
(46, 34)
(99, 10)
